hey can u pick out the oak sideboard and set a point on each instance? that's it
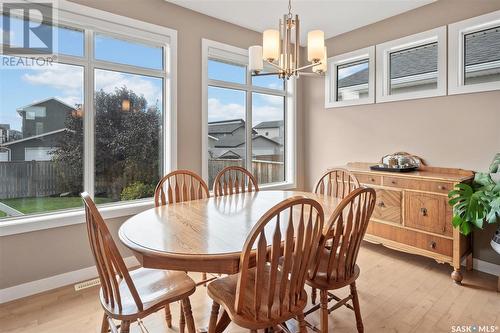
(412, 213)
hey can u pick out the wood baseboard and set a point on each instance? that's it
(53, 282)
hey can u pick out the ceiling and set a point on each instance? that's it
(334, 17)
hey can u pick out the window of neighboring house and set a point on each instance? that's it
(38, 154)
(115, 129)
(234, 100)
(412, 67)
(350, 79)
(474, 54)
(38, 128)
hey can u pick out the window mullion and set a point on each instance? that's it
(89, 116)
(249, 126)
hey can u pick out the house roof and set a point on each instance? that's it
(482, 46)
(233, 141)
(34, 137)
(270, 124)
(230, 141)
(22, 108)
(229, 154)
(225, 126)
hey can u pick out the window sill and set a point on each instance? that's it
(55, 220)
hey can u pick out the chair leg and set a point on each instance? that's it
(302, 323)
(168, 316)
(182, 319)
(125, 326)
(357, 309)
(214, 315)
(105, 324)
(313, 295)
(186, 305)
(323, 298)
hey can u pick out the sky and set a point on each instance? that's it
(21, 85)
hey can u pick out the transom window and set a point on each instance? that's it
(94, 121)
(247, 118)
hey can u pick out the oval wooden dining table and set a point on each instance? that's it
(204, 235)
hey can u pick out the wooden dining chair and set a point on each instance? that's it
(180, 186)
(269, 288)
(130, 296)
(234, 179)
(338, 183)
(336, 267)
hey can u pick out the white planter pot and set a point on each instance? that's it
(495, 242)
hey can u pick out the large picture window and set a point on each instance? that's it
(248, 119)
(93, 121)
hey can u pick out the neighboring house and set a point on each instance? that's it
(43, 123)
(271, 129)
(7, 134)
(226, 140)
(4, 133)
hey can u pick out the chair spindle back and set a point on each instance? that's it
(286, 239)
(348, 225)
(179, 186)
(234, 179)
(109, 263)
(337, 183)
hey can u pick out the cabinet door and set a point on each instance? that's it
(428, 212)
(388, 206)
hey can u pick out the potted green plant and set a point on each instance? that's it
(479, 202)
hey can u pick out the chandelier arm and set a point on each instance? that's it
(309, 66)
(274, 65)
(264, 74)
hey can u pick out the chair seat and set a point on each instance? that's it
(156, 288)
(321, 280)
(223, 291)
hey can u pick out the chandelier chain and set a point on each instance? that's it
(290, 8)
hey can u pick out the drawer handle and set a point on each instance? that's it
(372, 179)
(393, 182)
(441, 187)
(432, 244)
(423, 211)
(381, 204)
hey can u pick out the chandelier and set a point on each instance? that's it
(278, 50)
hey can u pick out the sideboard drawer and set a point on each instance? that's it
(415, 184)
(388, 206)
(413, 238)
(364, 178)
(428, 212)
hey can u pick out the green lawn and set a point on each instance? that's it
(45, 204)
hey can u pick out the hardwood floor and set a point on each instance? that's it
(398, 293)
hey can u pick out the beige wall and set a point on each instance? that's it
(36, 255)
(453, 131)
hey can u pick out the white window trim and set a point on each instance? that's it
(331, 77)
(290, 113)
(382, 69)
(80, 16)
(456, 32)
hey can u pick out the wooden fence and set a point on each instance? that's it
(20, 179)
(265, 171)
